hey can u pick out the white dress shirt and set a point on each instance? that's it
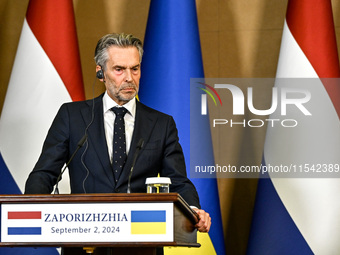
(109, 118)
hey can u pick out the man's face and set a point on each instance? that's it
(122, 73)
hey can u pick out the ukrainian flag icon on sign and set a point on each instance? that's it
(148, 222)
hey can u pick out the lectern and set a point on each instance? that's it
(129, 223)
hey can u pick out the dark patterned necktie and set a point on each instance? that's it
(119, 144)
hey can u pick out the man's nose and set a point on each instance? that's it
(128, 75)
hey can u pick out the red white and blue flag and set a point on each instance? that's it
(46, 73)
(24, 223)
(301, 215)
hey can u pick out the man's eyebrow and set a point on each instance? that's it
(125, 67)
(138, 65)
(120, 67)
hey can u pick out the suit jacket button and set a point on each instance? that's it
(117, 190)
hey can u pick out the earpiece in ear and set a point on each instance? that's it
(100, 74)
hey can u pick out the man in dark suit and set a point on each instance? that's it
(93, 169)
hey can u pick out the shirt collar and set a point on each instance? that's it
(108, 103)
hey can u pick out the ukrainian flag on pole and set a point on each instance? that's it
(172, 55)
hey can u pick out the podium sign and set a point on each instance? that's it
(121, 220)
(100, 222)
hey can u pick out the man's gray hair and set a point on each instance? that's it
(121, 40)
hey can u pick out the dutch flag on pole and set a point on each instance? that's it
(46, 73)
(301, 215)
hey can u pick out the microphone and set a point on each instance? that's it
(139, 147)
(80, 144)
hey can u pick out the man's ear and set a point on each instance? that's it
(100, 73)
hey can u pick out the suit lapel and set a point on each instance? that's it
(96, 135)
(144, 124)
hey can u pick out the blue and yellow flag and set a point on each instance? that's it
(148, 222)
(172, 56)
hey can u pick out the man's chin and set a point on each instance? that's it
(127, 98)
